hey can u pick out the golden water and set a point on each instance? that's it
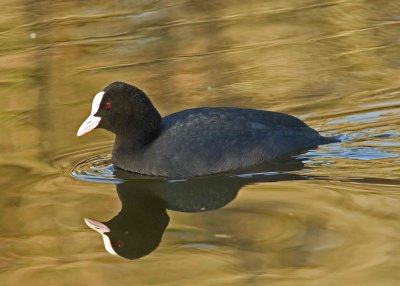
(334, 64)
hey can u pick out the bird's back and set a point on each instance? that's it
(204, 141)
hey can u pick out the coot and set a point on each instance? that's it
(193, 142)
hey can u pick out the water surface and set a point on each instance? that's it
(333, 219)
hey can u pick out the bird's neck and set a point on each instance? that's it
(130, 145)
(135, 135)
(129, 149)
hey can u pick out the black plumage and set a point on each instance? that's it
(199, 141)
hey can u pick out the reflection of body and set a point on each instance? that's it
(138, 228)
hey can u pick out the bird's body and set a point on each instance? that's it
(205, 141)
(194, 142)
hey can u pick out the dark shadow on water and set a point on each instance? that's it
(138, 228)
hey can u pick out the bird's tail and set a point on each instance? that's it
(328, 140)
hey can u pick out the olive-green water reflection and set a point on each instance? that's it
(334, 64)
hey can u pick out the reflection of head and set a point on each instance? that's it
(136, 230)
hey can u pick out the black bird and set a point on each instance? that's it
(193, 142)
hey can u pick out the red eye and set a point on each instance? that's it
(108, 105)
(120, 243)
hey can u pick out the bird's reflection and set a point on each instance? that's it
(138, 228)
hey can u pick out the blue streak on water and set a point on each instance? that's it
(340, 152)
(382, 104)
(368, 117)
